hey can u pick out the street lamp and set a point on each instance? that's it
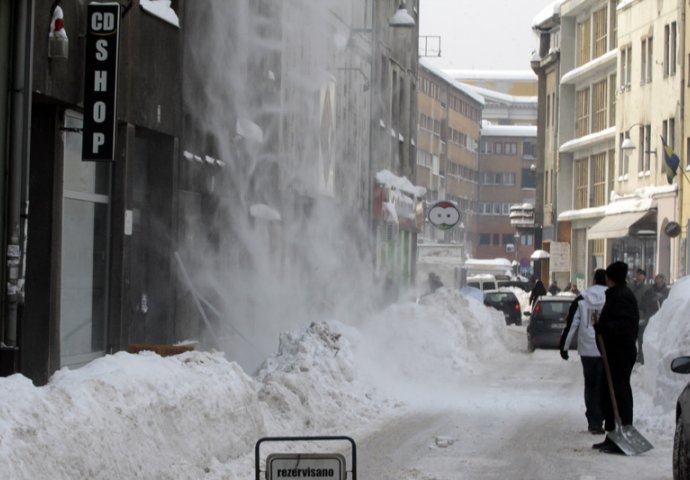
(402, 18)
(627, 145)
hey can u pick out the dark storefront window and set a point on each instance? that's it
(637, 252)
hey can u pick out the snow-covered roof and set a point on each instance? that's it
(519, 75)
(639, 201)
(589, 140)
(489, 130)
(547, 14)
(388, 178)
(161, 9)
(423, 62)
(489, 95)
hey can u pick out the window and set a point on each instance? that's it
(528, 149)
(583, 42)
(624, 164)
(644, 154)
(548, 109)
(599, 106)
(581, 183)
(626, 67)
(599, 179)
(612, 100)
(498, 148)
(582, 121)
(529, 179)
(508, 239)
(497, 239)
(600, 32)
(668, 132)
(484, 239)
(610, 174)
(646, 60)
(670, 40)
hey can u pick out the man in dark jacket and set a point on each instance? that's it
(617, 327)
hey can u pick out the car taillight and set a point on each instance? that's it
(537, 309)
(517, 306)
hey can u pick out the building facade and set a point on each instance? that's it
(619, 102)
(507, 164)
(241, 159)
(448, 152)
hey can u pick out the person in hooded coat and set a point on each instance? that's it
(618, 327)
(538, 290)
(589, 307)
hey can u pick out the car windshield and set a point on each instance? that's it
(554, 308)
(499, 297)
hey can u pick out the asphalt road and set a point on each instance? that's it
(524, 420)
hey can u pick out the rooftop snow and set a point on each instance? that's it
(454, 83)
(551, 10)
(489, 130)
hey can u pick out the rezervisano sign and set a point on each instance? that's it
(100, 81)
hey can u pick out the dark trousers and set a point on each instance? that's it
(621, 363)
(593, 371)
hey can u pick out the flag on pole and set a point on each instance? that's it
(671, 162)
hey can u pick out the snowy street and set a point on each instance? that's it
(534, 429)
(439, 389)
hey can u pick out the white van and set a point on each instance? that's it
(482, 281)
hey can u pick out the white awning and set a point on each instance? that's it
(615, 226)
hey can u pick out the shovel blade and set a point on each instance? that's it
(629, 440)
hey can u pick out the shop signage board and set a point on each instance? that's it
(559, 260)
(100, 81)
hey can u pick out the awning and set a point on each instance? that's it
(620, 225)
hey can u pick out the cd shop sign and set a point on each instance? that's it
(100, 81)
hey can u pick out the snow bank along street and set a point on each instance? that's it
(420, 370)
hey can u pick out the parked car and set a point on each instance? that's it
(506, 302)
(681, 439)
(547, 320)
(521, 284)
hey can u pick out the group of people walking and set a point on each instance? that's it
(609, 318)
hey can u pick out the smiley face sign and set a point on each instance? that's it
(444, 215)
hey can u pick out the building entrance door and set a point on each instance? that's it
(84, 251)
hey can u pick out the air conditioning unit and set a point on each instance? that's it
(510, 248)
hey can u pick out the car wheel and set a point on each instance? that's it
(681, 466)
(530, 345)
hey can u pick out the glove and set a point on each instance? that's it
(564, 354)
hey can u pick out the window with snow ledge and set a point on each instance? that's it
(163, 9)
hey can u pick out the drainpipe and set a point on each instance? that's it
(19, 150)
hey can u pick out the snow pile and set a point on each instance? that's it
(110, 418)
(198, 415)
(665, 338)
(311, 377)
(411, 350)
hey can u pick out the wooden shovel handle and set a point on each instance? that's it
(609, 380)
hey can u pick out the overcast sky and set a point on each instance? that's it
(482, 34)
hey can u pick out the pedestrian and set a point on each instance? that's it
(645, 302)
(537, 292)
(617, 328)
(590, 306)
(434, 283)
(658, 293)
(553, 288)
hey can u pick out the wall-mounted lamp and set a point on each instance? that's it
(402, 18)
(627, 145)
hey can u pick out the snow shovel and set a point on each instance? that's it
(627, 438)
